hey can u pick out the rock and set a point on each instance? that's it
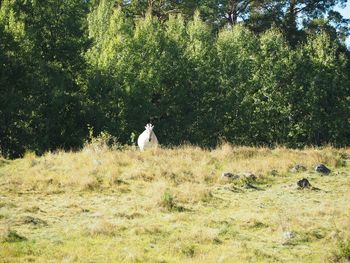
(248, 175)
(274, 172)
(298, 168)
(229, 175)
(321, 168)
(303, 183)
(288, 235)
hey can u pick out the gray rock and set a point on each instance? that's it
(298, 168)
(303, 183)
(288, 235)
(321, 168)
(229, 175)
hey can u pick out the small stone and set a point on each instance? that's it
(303, 183)
(321, 168)
(298, 168)
(288, 235)
(229, 175)
(274, 172)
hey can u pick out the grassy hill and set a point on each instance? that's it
(174, 205)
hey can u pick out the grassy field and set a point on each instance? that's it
(173, 205)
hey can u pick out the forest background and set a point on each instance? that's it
(256, 73)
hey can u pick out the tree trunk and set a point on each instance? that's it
(291, 22)
(232, 12)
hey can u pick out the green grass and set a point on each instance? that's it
(172, 205)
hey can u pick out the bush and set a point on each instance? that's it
(342, 252)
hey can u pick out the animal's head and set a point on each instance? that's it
(149, 129)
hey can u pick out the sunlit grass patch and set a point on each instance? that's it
(175, 205)
(104, 227)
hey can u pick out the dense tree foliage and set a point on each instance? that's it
(42, 47)
(249, 72)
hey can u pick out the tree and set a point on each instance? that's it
(270, 119)
(53, 39)
(175, 79)
(140, 74)
(15, 85)
(56, 30)
(108, 60)
(223, 12)
(238, 51)
(320, 99)
(293, 16)
(204, 86)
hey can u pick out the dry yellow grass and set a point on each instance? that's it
(172, 205)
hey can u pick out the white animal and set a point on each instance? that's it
(147, 139)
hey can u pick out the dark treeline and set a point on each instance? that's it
(244, 71)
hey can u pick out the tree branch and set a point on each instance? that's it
(309, 5)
